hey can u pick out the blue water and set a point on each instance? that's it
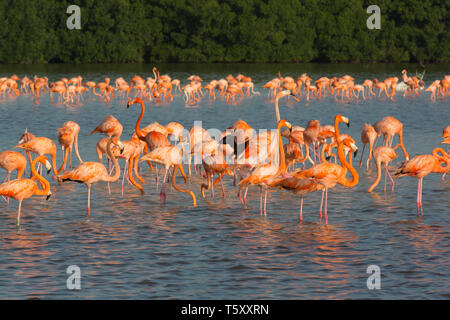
(133, 247)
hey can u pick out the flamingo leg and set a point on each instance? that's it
(163, 188)
(124, 173)
(362, 153)
(157, 178)
(212, 185)
(321, 204)
(265, 202)
(260, 200)
(390, 177)
(70, 158)
(223, 188)
(89, 200)
(419, 196)
(301, 209)
(325, 209)
(110, 171)
(245, 198)
(18, 214)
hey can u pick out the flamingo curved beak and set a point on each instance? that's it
(48, 196)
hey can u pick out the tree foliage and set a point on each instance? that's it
(114, 31)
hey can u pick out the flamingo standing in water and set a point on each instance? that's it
(263, 174)
(388, 127)
(422, 165)
(330, 174)
(382, 155)
(368, 136)
(92, 172)
(110, 127)
(169, 156)
(20, 189)
(41, 146)
(68, 137)
(10, 161)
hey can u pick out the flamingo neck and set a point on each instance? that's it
(282, 166)
(336, 130)
(116, 175)
(277, 110)
(53, 155)
(41, 179)
(322, 154)
(63, 165)
(377, 181)
(138, 131)
(176, 187)
(445, 158)
(355, 177)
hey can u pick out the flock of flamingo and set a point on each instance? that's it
(307, 163)
(160, 88)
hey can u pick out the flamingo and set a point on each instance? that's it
(330, 174)
(280, 95)
(422, 165)
(388, 127)
(41, 146)
(92, 172)
(368, 136)
(215, 164)
(263, 174)
(130, 153)
(110, 127)
(169, 156)
(311, 135)
(382, 155)
(12, 160)
(68, 137)
(21, 189)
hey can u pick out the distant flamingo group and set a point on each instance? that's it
(303, 165)
(232, 89)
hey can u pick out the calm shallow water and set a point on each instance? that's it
(132, 247)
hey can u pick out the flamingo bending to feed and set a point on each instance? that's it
(110, 126)
(388, 127)
(20, 189)
(68, 137)
(42, 146)
(169, 156)
(382, 155)
(92, 172)
(368, 136)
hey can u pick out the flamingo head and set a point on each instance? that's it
(284, 123)
(341, 118)
(135, 100)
